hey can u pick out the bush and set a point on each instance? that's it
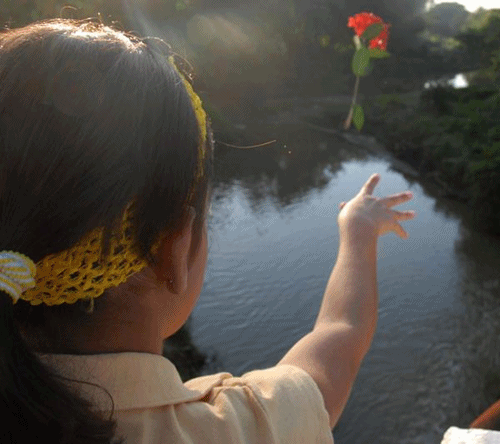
(483, 39)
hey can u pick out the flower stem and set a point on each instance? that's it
(348, 122)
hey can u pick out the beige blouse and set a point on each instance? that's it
(278, 405)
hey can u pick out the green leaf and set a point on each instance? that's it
(360, 61)
(180, 5)
(478, 166)
(377, 53)
(373, 31)
(368, 69)
(324, 41)
(358, 117)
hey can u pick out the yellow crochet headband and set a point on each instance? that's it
(79, 273)
(201, 116)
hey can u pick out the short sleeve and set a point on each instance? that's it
(278, 405)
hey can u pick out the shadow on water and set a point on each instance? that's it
(300, 161)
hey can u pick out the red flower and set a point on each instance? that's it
(381, 40)
(362, 21)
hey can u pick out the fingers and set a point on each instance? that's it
(404, 215)
(390, 201)
(397, 199)
(401, 232)
(370, 185)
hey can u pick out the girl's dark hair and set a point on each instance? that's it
(90, 119)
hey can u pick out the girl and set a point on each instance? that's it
(105, 183)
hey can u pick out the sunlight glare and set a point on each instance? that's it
(230, 32)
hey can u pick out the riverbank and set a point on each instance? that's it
(448, 137)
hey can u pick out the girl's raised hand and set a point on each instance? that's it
(365, 214)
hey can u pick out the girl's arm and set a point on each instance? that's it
(333, 351)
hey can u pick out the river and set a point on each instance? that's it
(434, 361)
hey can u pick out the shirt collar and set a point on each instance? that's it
(134, 380)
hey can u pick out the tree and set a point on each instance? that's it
(482, 40)
(446, 19)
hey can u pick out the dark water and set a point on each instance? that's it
(434, 361)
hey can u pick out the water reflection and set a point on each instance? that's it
(434, 360)
(301, 160)
(457, 81)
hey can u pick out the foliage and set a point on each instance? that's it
(478, 20)
(439, 43)
(466, 133)
(443, 22)
(483, 39)
(466, 41)
(454, 133)
(446, 19)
